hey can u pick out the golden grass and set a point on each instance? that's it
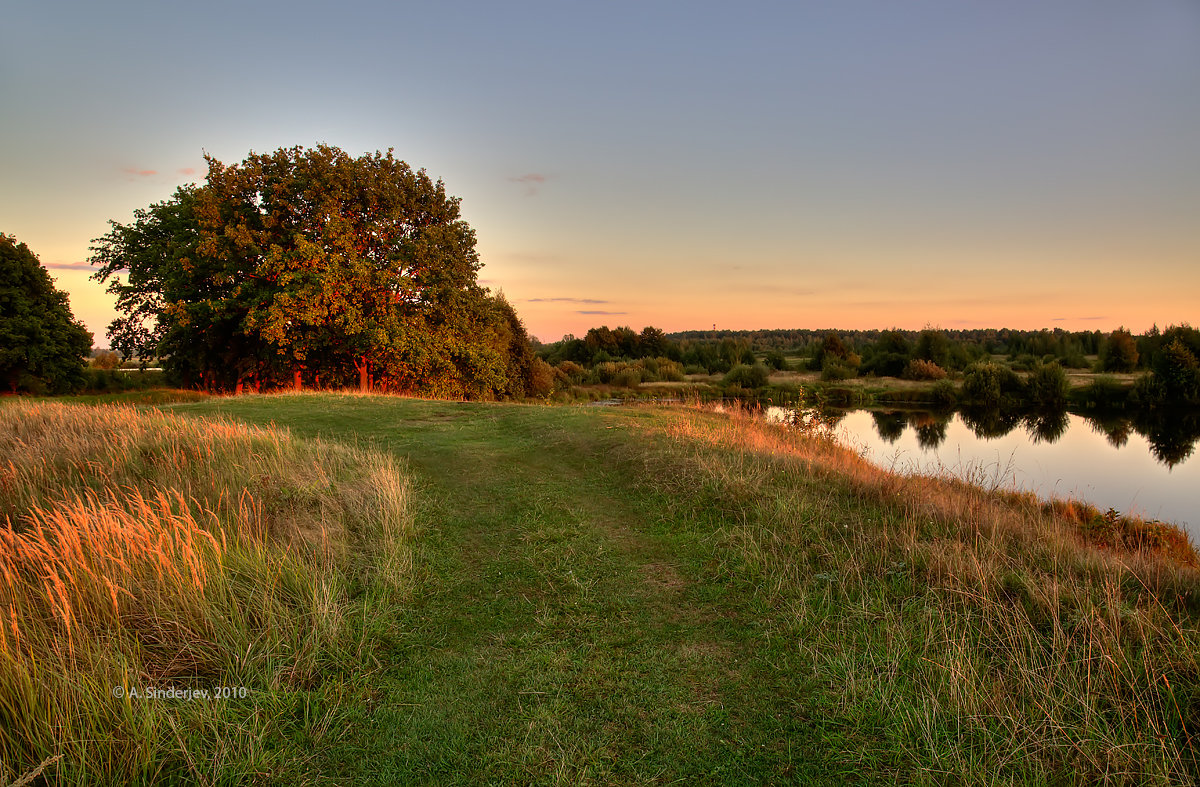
(976, 629)
(970, 503)
(147, 550)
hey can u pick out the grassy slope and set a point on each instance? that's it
(151, 551)
(560, 632)
(595, 605)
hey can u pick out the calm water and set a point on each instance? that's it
(1146, 469)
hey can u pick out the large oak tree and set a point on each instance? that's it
(309, 265)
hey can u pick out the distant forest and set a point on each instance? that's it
(877, 351)
(985, 360)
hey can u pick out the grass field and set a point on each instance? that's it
(631, 596)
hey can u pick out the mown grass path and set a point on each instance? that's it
(562, 628)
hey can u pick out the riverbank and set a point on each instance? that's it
(643, 595)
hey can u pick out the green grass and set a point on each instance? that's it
(652, 596)
(559, 635)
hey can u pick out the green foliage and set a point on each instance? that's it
(42, 346)
(747, 376)
(1120, 352)
(836, 369)
(627, 378)
(1048, 386)
(1104, 393)
(309, 266)
(1175, 378)
(118, 380)
(933, 345)
(944, 394)
(990, 384)
(829, 352)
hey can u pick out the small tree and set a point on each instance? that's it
(1120, 352)
(748, 376)
(106, 359)
(776, 360)
(42, 345)
(990, 385)
(933, 345)
(1177, 374)
(1048, 386)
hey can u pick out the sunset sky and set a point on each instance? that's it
(1025, 164)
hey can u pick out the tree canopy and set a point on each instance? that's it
(42, 346)
(307, 266)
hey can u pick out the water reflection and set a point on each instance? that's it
(1171, 436)
(990, 423)
(1046, 426)
(930, 428)
(889, 424)
(1141, 464)
(1116, 430)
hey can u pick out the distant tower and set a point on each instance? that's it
(714, 326)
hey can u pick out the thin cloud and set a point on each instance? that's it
(68, 266)
(141, 173)
(186, 171)
(565, 300)
(530, 181)
(589, 311)
(1064, 319)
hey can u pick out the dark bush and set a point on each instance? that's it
(748, 376)
(944, 394)
(990, 384)
(1048, 386)
(1104, 392)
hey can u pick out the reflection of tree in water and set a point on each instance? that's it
(990, 422)
(1172, 434)
(1047, 425)
(930, 428)
(890, 425)
(1115, 429)
(830, 417)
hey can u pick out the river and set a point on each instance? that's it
(1147, 470)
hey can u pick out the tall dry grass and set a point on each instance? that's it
(141, 550)
(983, 636)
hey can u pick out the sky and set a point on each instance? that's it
(1023, 164)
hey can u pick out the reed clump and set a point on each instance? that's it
(980, 632)
(142, 552)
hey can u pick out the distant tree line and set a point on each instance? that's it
(306, 267)
(988, 361)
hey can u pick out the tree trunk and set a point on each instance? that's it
(296, 382)
(364, 376)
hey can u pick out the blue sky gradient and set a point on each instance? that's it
(852, 164)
